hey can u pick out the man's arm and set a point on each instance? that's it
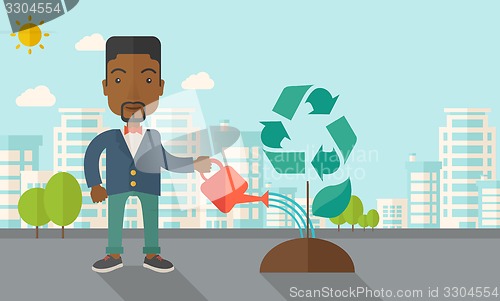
(91, 167)
(179, 164)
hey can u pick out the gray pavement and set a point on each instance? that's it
(217, 266)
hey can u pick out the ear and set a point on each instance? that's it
(105, 87)
(162, 87)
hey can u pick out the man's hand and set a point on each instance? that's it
(98, 193)
(202, 164)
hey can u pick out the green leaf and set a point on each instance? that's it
(338, 220)
(373, 218)
(31, 207)
(353, 211)
(363, 221)
(332, 200)
(63, 198)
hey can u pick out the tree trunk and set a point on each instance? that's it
(352, 228)
(372, 228)
(62, 232)
(364, 229)
(36, 231)
(338, 228)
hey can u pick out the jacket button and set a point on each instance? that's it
(133, 183)
(133, 172)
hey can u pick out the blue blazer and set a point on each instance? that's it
(125, 173)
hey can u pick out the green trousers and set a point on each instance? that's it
(116, 207)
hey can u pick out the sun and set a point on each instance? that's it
(29, 35)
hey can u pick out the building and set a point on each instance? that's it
(247, 160)
(179, 204)
(17, 153)
(277, 218)
(423, 193)
(35, 179)
(489, 203)
(78, 127)
(317, 221)
(467, 149)
(393, 213)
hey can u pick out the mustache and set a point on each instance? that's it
(142, 108)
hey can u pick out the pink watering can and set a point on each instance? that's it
(227, 188)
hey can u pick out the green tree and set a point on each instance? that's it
(363, 221)
(353, 211)
(63, 199)
(338, 220)
(32, 209)
(373, 218)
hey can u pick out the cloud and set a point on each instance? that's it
(200, 81)
(94, 42)
(38, 97)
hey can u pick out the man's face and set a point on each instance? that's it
(133, 86)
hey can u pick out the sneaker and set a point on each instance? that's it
(107, 264)
(158, 264)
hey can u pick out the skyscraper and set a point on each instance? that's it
(17, 153)
(489, 203)
(78, 127)
(179, 202)
(467, 149)
(277, 218)
(317, 221)
(247, 161)
(423, 193)
(393, 213)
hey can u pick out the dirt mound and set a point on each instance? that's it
(307, 255)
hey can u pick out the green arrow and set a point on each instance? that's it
(289, 100)
(287, 162)
(332, 200)
(322, 102)
(325, 162)
(273, 133)
(343, 135)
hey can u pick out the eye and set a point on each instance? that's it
(118, 80)
(149, 80)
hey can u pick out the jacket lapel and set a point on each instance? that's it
(122, 145)
(145, 145)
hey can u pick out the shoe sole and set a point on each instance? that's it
(111, 269)
(152, 268)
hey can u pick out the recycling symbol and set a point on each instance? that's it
(331, 200)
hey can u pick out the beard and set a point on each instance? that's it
(133, 117)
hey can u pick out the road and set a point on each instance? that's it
(224, 265)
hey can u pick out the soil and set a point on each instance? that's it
(307, 255)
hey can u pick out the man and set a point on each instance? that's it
(134, 156)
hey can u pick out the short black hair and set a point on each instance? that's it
(133, 45)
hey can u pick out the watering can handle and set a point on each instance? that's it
(216, 162)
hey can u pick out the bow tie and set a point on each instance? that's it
(127, 130)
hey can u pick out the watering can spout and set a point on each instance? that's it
(252, 198)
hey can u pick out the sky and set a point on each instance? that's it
(395, 64)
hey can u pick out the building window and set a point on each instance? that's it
(445, 212)
(489, 136)
(445, 174)
(489, 149)
(445, 187)
(445, 200)
(28, 155)
(445, 149)
(445, 162)
(489, 161)
(445, 136)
